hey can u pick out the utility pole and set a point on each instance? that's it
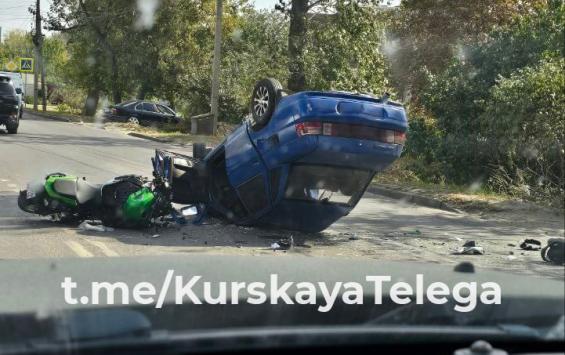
(214, 96)
(38, 67)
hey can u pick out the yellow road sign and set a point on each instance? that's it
(11, 65)
(26, 65)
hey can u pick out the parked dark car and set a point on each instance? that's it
(301, 163)
(141, 112)
(9, 105)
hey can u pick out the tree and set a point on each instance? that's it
(317, 25)
(461, 98)
(425, 35)
(103, 26)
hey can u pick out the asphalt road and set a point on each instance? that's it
(379, 227)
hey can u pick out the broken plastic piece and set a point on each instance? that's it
(530, 244)
(86, 226)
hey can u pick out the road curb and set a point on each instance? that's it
(48, 116)
(411, 197)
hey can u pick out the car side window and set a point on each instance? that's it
(138, 107)
(149, 107)
(165, 110)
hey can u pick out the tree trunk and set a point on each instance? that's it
(91, 102)
(296, 40)
(116, 92)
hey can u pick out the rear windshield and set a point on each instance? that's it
(326, 184)
(7, 89)
(127, 103)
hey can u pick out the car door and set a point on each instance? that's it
(247, 172)
(167, 115)
(150, 113)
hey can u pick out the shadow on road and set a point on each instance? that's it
(12, 218)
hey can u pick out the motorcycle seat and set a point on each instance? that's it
(79, 189)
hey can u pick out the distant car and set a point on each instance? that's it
(9, 105)
(302, 162)
(18, 83)
(141, 112)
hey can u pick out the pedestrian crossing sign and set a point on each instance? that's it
(26, 65)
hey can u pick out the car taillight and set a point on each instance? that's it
(351, 131)
(399, 137)
(114, 111)
(309, 128)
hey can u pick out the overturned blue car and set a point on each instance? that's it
(301, 162)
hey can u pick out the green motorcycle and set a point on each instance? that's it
(125, 201)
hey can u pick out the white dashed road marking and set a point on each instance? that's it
(103, 247)
(78, 249)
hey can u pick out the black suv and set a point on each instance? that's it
(9, 105)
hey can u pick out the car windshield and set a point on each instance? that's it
(304, 173)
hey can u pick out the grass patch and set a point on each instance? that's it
(467, 197)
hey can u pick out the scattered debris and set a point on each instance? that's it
(554, 251)
(530, 244)
(354, 237)
(469, 248)
(89, 226)
(511, 244)
(286, 243)
(510, 257)
(470, 251)
(283, 244)
(155, 235)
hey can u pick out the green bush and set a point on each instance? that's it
(496, 116)
(64, 108)
(524, 123)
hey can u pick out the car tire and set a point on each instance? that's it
(199, 150)
(133, 120)
(13, 129)
(264, 99)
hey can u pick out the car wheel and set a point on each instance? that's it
(199, 150)
(133, 120)
(12, 130)
(265, 97)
